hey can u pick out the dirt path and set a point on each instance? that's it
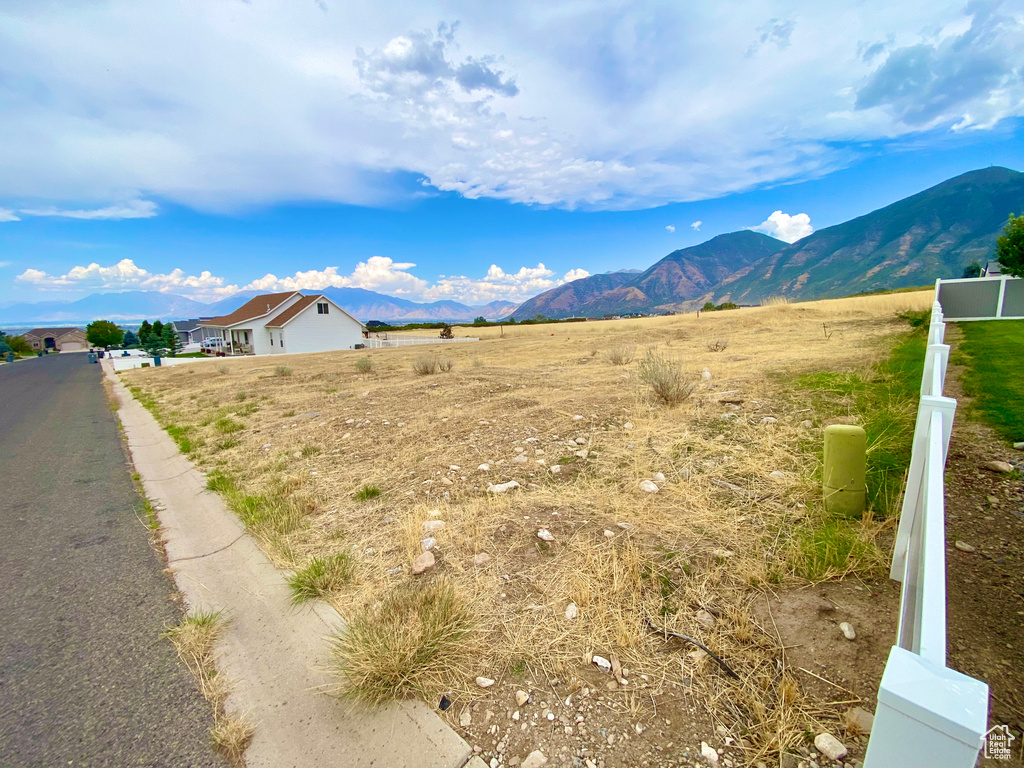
(985, 587)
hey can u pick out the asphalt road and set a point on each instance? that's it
(85, 678)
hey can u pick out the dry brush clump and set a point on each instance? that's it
(665, 378)
(736, 511)
(621, 354)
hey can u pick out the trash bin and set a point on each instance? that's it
(156, 360)
(92, 357)
(39, 354)
(10, 357)
(100, 353)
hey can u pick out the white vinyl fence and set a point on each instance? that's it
(999, 297)
(378, 342)
(928, 716)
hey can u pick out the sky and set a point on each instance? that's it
(464, 150)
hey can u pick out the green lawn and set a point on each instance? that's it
(993, 352)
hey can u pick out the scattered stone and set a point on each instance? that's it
(556, 469)
(519, 459)
(769, 420)
(625, 526)
(609, 534)
(577, 417)
(581, 441)
(428, 543)
(705, 374)
(992, 499)
(1019, 446)
(1003, 467)
(522, 697)
(582, 454)
(502, 487)
(266, 446)
(396, 571)
(602, 663)
(466, 719)
(297, 454)
(484, 682)
(847, 629)
(545, 535)
(629, 425)
(423, 563)
(829, 746)
(430, 526)
(534, 760)
(648, 486)
(860, 719)
(777, 476)
(484, 467)
(807, 424)
(728, 416)
(722, 553)
(963, 546)
(571, 611)
(706, 751)
(481, 559)
(705, 618)
(658, 477)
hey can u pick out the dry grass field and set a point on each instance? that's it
(342, 468)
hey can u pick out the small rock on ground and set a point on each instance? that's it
(484, 682)
(708, 753)
(648, 486)
(522, 697)
(847, 629)
(1003, 467)
(545, 535)
(481, 559)
(433, 525)
(423, 563)
(502, 487)
(830, 746)
(534, 760)
(963, 546)
(860, 719)
(571, 611)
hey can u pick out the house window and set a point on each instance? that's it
(271, 338)
(321, 307)
(281, 339)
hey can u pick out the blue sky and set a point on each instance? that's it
(457, 151)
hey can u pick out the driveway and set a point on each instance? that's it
(85, 678)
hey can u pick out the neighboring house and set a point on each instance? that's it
(190, 331)
(63, 339)
(289, 322)
(992, 269)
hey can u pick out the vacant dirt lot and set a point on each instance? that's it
(580, 559)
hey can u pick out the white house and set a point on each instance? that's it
(277, 323)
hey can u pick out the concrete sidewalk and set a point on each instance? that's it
(275, 655)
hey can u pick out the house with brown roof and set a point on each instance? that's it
(62, 339)
(277, 323)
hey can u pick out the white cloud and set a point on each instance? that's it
(132, 209)
(377, 273)
(125, 275)
(786, 227)
(670, 228)
(598, 103)
(695, 226)
(6, 214)
(4, 264)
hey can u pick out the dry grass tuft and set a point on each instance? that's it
(719, 345)
(424, 365)
(232, 736)
(321, 578)
(445, 364)
(364, 365)
(282, 370)
(621, 354)
(410, 643)
(665, 378)
(222, 368)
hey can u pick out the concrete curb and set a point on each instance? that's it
(274, 654)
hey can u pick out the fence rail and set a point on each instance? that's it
(928, 716)
(981, 298)
(408, 341)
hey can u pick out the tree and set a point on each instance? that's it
(158, 329)
(19, 345)
(973, 269)
(446, 331)
(130, 339)
(1010, 246)
(709, 306)
(144, 330)
(171, 340)
(103, 333)
(481, 320)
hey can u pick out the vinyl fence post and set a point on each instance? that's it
(928, 716)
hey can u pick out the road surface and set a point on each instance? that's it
(85, 678)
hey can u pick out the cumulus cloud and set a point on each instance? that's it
(6, 214)
(125, 275)
(133, 209)
(670, 228)
(970, 78)
(498, 285)
(786, 227)
(695, 226)
(598, 103)
(4, 264)
(377, 273)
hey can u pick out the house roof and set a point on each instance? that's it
(55, 332)
(303, 304)
(187, 325)
(292, 311)
(257, 306)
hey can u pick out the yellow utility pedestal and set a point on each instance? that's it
(844, 469)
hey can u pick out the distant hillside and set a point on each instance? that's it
(683, 275)
(932, 234)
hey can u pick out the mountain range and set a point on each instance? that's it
(913, 241)
(135, 306)
(932, 234)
